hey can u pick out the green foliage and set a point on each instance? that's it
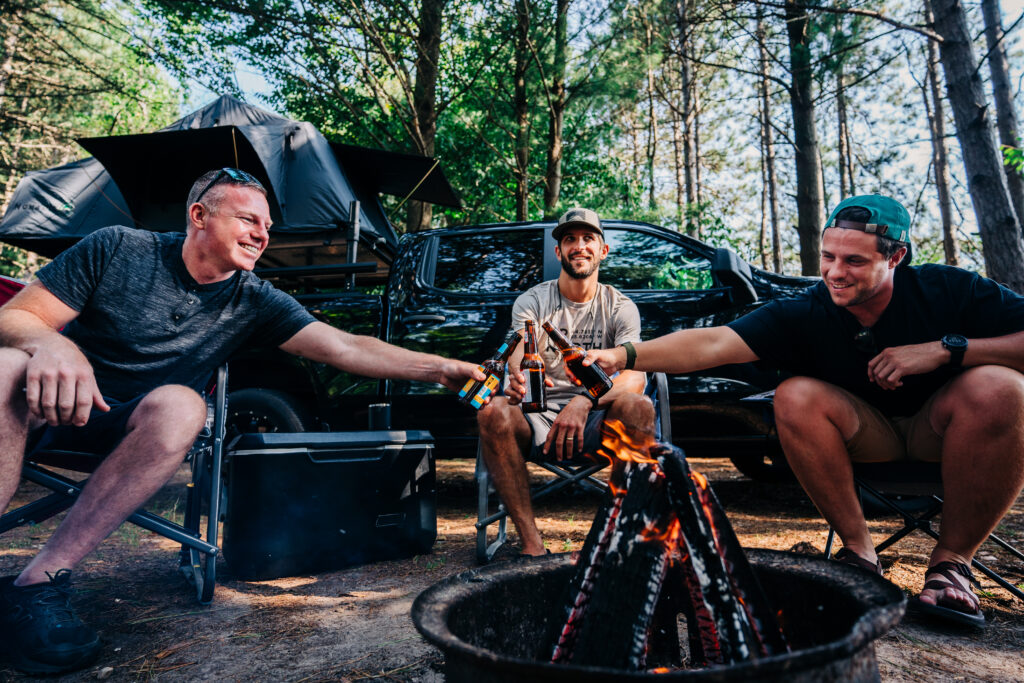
(13, 261)
(71, 68)
(1013, 157)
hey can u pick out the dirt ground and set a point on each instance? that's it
(354, 624)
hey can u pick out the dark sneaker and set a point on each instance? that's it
(40, 631)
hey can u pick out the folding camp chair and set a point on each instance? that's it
(913, 491)
(198, 557)
(567, 473)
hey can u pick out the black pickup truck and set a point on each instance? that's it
(451, 291)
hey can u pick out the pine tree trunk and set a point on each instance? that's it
(652, 120)
(522, 114)
(680, 167)
(768, 144)
(428, 45)
(810, 187)
(686, 92)
(940, 162)
(997, 223)
(553, 178)
(1006, 113)
(846, 186)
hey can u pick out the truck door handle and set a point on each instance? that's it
(424, 318)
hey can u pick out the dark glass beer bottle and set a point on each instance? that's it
(476, 393)
(532, 366)
(593, 378)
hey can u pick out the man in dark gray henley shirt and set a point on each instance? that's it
(146, 318)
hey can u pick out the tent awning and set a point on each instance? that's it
(397, 174)
(155, 171)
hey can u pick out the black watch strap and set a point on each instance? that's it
(956, 344)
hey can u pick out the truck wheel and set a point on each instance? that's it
(266, 410)
(763, 468)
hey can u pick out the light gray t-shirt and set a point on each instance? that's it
(609, 319)
(145, 322)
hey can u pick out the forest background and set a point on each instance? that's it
(741, 123)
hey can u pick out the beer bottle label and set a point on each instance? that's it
(468, 386)
(483, 394)
(534, 387)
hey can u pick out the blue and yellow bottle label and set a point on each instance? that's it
(469, 385)
(484, 393)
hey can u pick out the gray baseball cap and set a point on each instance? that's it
(578, 217)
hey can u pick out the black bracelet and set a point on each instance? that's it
(630, 354)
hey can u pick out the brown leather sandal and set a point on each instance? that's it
(947, 571)
(847, 556)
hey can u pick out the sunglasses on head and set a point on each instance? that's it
(864, 341)
(234, 174)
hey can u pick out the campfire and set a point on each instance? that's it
(659, 547)
(661, 589)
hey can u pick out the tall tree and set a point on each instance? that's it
(556, 107)
(428, 52)
(521, 108)
(936, 113)
(809, 183)
(1006, 113)
(769, 180)
(997, 222)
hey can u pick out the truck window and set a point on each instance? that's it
(508, 261)
(638, 260)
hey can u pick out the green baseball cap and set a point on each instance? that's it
(888, 217)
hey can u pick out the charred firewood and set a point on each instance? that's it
(661, 520)
(744, 622)
(619, 580)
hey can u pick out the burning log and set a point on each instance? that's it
(660, 546)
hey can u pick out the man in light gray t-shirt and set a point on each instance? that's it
(592, 315)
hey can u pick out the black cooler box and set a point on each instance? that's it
(314, 501)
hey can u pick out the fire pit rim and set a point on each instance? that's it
(431, 608)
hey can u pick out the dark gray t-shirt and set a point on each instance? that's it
(145, 322)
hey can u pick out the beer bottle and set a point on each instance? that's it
(476, 393)
(533, 368)
(593, 378)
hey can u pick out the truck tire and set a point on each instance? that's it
(266, 410)
(763, 468)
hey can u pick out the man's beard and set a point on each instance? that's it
(581, 274)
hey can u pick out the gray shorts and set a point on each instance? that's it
(540, 425)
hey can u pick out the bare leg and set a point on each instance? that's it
(504, 437)
(159, 433)
(979, 415)
(815, 420)
(633, 410)
(14, 420)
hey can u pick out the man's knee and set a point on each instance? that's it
(12, 372)
(173, 415)
(985, 396)
(496, 416)
(635, 410)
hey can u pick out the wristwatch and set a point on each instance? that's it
(956, 344)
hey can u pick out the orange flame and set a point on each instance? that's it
(626, 444)
(668, 536)
(661, 670)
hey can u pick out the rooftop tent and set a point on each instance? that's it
(54, 208)
(147, 177)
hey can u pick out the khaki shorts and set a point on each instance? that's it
(885, 439)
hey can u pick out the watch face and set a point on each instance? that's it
(954, 341)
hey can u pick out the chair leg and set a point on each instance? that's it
(484, 551)
(199, 564)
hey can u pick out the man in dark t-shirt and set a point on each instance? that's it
(891, 362)
(145, 319)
